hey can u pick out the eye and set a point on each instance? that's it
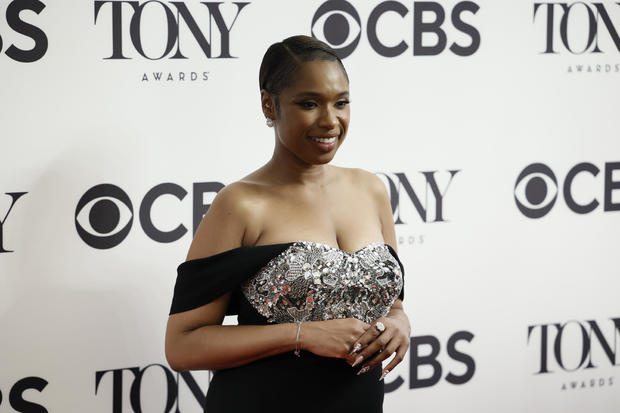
(307, 104)
(342, 103)
(337, 23)
(103, 216)
(536, 190)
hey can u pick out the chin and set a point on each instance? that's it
(326, 158)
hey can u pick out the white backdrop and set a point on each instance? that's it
(83, 317)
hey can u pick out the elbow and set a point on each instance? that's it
(185, 352)
(178, 364)
(173, 361)
(180, 358)
(174, 356)
(175, 364)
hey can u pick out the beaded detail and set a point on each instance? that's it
(311, 281)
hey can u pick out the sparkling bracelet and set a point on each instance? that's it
(297, 338)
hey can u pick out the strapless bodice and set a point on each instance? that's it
(311, 281)
(293, 281)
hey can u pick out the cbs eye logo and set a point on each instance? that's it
(103, 216)
(334, 20)
(337, 23)
(536, 190)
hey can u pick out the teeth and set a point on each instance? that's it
(325, 140)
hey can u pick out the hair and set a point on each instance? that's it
(283, 59)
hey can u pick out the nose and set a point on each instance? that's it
(328, 119)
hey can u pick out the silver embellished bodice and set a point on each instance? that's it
(311, 281)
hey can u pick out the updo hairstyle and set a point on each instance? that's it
(282, 60)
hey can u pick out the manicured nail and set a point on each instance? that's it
(357, 361)
(363, 370)
(385, 372)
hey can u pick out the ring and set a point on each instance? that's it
(357, 347)
(379, 326)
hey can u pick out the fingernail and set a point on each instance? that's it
(357, 361)
(385, 372)
(363, 370)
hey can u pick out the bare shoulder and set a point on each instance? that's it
(237, 195)
(366, 180)
(224, 224)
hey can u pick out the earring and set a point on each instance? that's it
(269, 122)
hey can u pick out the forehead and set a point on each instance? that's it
(320, 76)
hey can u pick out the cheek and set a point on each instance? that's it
(344, 120)
(298, 123)
(290, 130)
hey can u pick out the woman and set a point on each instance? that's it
(304, 252)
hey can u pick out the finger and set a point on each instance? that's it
(369, 335)
(357, 346)
(354, 357)
(387, 352)
(400, 355)
(359, 350)
(361, 343)
(377, 344)
(365, 336)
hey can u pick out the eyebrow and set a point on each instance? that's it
(345, 93)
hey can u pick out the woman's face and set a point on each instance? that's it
(314, 108)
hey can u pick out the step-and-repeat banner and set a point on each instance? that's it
(493, 124)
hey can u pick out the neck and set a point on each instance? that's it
(287, 169)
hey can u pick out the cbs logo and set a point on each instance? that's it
(425, 357)
(14, 19)
(338, 23)
(16, 395)
(104, 214)
(536, 189)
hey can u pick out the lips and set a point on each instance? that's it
(325, 139)
(325, 143)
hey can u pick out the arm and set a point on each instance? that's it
(213, 346)
(195, 339)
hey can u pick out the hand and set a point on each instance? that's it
(331, 338)
(394, 339)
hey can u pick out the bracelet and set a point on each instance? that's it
(297, 338)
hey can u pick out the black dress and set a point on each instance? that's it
(292, 282)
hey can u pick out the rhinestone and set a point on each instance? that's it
(361, 285)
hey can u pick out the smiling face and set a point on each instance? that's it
(313, 115)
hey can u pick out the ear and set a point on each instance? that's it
(267, 104)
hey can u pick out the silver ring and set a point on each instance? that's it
(379, 326)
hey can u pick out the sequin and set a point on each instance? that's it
(311, 281)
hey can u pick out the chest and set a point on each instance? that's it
(345, 218)
(311, 281)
